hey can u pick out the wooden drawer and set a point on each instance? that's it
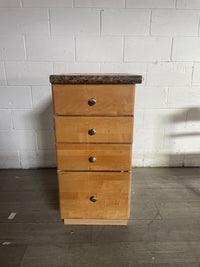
(111, 190)
(105, 157)
(108, 129)
(110, 99)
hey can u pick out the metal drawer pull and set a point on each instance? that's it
(92, 102)
(92, 159)
(92, 132)
(93, 199)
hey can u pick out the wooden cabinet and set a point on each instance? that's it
(110, 190)
(94, 157)
(96, 130)
(93, 118)
(110, 99)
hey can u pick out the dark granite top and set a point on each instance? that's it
(96, 79)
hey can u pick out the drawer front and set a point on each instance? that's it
(81, 129)
(109, 99)
(94, 157)
(78, 189)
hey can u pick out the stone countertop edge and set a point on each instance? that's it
(96, 79)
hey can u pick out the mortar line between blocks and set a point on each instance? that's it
(150, 22)
(20, 160)
(99, 66)
(100, 21)
(49, 20)
(75, 56)
(4, 72)
(53, 65)
(36, 139)
(192, 75)
(199, 27)
(83, 61)
(12, 121)
(25, 49)
(123, 48)
(31, 92)
(172, 46)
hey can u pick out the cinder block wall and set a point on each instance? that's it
(159, 39)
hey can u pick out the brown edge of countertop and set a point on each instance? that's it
(96, 79)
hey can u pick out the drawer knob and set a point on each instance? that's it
(92, 132)
(92, 159)
(93, 199)
(92, 102)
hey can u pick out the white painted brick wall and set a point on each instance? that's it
(169, 74)
(17, 139)
(196, 74)
(147, 49)
(10, 3)
(50, 48)
(41, 96)
(35, 158)
(155, 97)
(184, 97)
(45, 139)
(12, 48)
(47, 3)
(125, 22)
(15, 97)
(175, 22)
(150, 3)
(24, 21)
(100, 3)
(193, 118)
(159, 39)
(32, 119)
(5, 119)
(2, 74)
(186, 49)
(188, 4)
(28, 72)
(124, 68)
(64, 67)
(99, 49)
(68, 21)
(9, 159)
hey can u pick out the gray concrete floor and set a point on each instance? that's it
(164, 229)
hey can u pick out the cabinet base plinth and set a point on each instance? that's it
(95, 221)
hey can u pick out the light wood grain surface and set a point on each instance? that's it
(95, 222)
(108, 129)
(110, 188)
(79, 179)
(110, 99)
(108, 157)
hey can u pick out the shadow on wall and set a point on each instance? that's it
(184, 138)
(46, 138)
(172, 138)
(40, 119)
